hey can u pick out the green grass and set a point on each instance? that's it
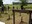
(29, 6)
(17, 19)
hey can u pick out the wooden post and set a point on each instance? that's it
(13, 16)
(30, 18)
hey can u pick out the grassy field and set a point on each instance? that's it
(17, 15)
(28, 6)
(17, 18)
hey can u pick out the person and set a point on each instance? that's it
(13, 7)
(2, 10)
(22, 7)
(8, 7)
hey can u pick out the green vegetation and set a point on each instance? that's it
(29, 6)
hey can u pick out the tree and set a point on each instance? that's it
(1, 2)
(23, 2)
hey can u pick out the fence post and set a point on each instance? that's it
(13, 16)
(30, 18)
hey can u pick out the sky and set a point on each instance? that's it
(10, 1)
(7, 1)
(30, 1)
